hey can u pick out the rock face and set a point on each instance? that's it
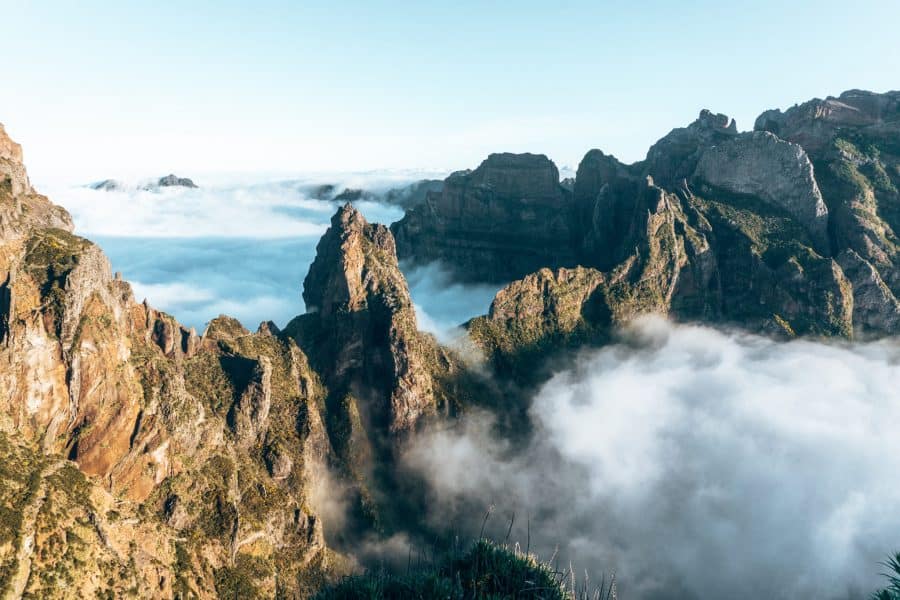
(853, 141)
(675, 156)
(507, 218)
(126, 429)
(789, 229)
(21, 208)
(359, 301)
(814, 124)
(780, 173)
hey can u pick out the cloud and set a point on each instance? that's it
(243, 246)
(442, 304)
(697, 464)
(259, 210)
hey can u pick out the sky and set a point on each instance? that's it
(109, 89)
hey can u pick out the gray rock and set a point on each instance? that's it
(675, 156)
(172, 180)
(778, 172)
(507, 218)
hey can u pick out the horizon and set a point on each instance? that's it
(118, 92)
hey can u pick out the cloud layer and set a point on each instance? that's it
(242, 248)
(698, 464)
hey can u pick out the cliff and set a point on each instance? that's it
(507, 218)
(148, 458)
(788, 229)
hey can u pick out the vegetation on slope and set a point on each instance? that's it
(486, 570)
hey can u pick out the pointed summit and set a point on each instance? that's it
(354, 261)
(362, 325)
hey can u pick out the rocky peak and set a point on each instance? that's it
(715, 122)
(9, 150)
(813, 124)
(353, 260)
(509, 217)
(20, 207)
(172, 180)
(675, 156)
(597, 173)
(527, 176)
(361, 325)
(12, 169)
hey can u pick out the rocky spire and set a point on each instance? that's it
(362, 327)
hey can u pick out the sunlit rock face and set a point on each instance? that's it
(360, 305)
(788, 229)
(165, 430)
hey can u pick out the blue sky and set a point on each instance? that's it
(95, 89)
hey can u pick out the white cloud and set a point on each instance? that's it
(699, 464)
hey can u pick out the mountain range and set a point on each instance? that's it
(138, 457)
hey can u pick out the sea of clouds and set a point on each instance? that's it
(695, 463)
(242, 246)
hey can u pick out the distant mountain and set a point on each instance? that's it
(170, 180)
(404, 196)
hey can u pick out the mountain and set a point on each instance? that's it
(745, 229)
(148, 459)
(140, 458)
(170, 180)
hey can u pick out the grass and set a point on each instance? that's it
(486, 571)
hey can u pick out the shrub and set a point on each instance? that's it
(486, 571)
(892, 591)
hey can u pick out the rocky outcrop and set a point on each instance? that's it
(761, 165)
(249, 416)
(814, 124)
(507, 218)
(21, 208)
(359, 301)
(675, 156)
(853, 141)
(125, 413)
(172, 180)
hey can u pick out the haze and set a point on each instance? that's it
(103, 90)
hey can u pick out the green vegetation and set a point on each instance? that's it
(240, 581)
(892, 591)
(51, 255)
(485, 571)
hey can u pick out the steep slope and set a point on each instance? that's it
(854, 143)
(383, 376)
(507, 218)
(788, 229)
(214, 444)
